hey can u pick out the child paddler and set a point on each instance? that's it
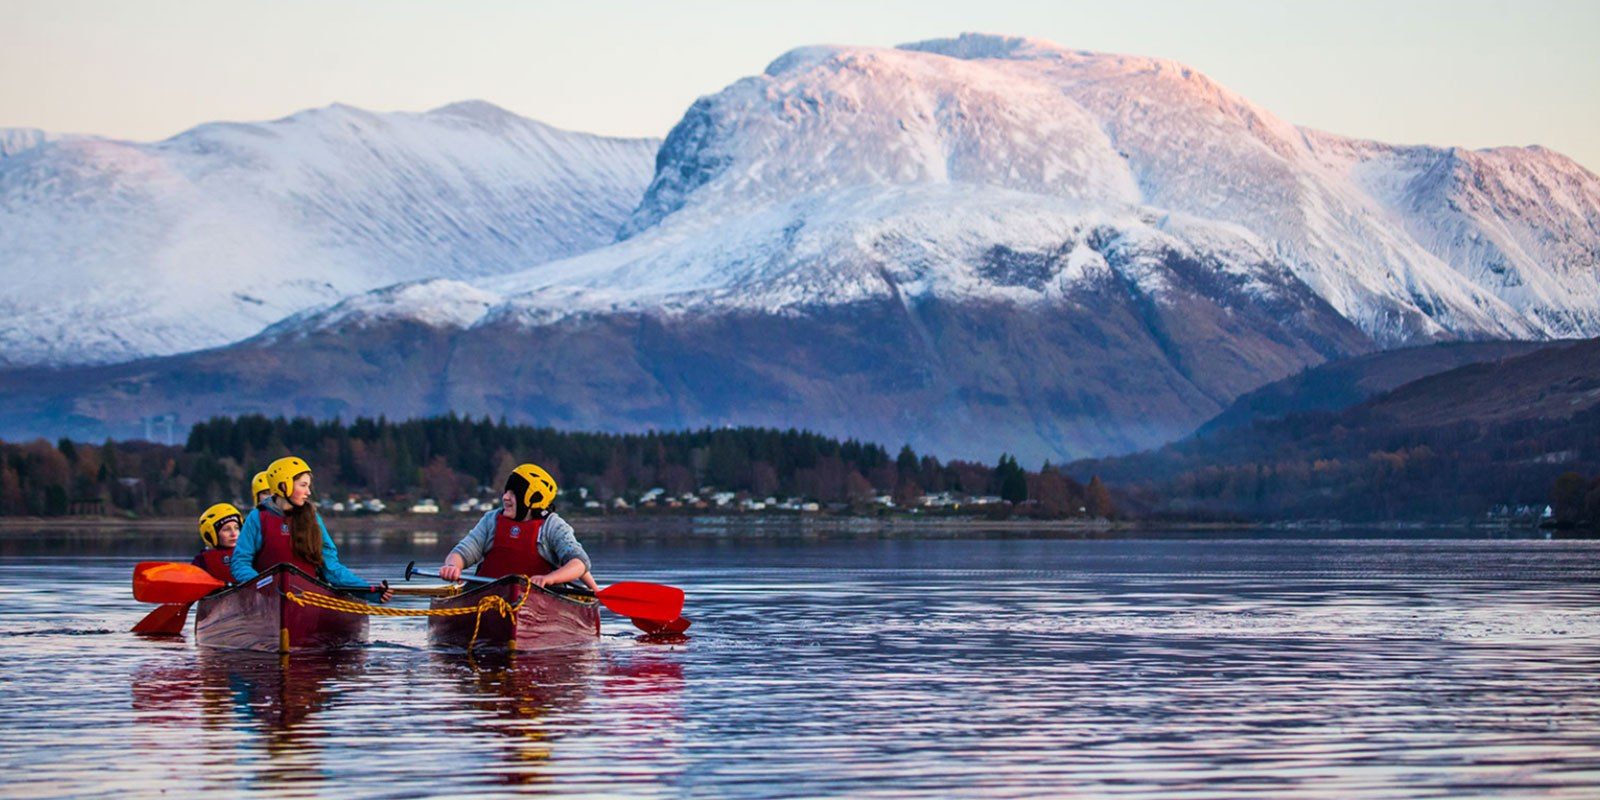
(288, 529)
(260, 490)
(219, 530)
(523, 537)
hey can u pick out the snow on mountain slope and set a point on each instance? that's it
(824, 118)
(1199, 148)
(1113, 133)
(942, 240)
(116, 250)
(1521, 222)
(844, 174)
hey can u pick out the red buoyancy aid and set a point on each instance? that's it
(215, 561)
(515, 550)
(277, 547)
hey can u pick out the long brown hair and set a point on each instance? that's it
(304, 533)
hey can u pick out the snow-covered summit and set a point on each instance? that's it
(114, 249)
(1125, 135)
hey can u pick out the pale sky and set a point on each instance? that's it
(1472, 73)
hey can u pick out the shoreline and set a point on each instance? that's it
(653, 524)
(386, 522)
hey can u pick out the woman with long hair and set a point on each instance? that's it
(289, 530)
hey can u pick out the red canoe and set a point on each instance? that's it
(263, 616)
(545, 620)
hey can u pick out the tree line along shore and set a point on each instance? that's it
(450, 464)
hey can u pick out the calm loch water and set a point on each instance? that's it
(857, 666)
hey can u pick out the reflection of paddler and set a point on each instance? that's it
(529, 695)
(279, 692)
(273, 697)
(220, 686)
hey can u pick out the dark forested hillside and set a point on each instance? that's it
(1448, 446)
(1341, 384)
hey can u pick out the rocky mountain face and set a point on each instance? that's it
(973, 245)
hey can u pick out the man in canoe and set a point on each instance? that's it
(219, 530)
(523, 537)
(288, 529)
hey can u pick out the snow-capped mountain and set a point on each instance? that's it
(115, 250)
(973, 245)
(1409, 243)
(843, 170)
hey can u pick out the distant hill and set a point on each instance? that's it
(1446, 446)
(1341, 384)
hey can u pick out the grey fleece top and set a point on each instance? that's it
(558, 544)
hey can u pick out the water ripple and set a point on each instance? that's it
(999, 668)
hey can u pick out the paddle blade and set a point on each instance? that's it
(657, 627)
(171, 582)
(643, 600)
(167, 619)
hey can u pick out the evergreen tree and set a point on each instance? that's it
(1012, 481)
(906, 462)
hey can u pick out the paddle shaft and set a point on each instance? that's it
(621, 598)
(411, 569)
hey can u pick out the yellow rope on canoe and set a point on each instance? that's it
(491, 602)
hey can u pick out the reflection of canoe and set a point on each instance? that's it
(263, 615)
(220, 688)
(544, 619)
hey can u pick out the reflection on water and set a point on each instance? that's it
(988, 667)
(524, 702)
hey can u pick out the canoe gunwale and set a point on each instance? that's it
(544, 619)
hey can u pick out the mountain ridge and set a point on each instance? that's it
(228, 227)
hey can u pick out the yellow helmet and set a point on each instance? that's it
(532, 486)
(259, 484)
(281, 474)
(213, 518)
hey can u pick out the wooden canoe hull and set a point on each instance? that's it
(545, 621)
(259, 616)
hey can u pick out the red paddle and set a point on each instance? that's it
(651, 601)
(171, 582)
(654, 627)
(168, 618)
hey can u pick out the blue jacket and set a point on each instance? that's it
(243, 564)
